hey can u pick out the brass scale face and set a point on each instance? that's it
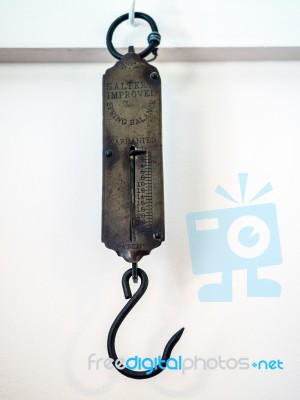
(132, 196)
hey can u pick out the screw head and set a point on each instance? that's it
(157, 236)
(154, 75)
(108, 153)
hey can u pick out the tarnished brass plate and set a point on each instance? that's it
(132, 195)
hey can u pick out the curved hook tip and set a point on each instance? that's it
(179, 333)
(171, 344)
(176, 337)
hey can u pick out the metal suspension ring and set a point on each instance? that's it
(153, 38)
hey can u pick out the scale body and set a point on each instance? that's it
(132, 196)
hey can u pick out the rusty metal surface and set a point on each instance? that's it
(132, 194)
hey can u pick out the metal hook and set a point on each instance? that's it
(120, 318)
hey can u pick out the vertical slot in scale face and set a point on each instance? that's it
(143, 194)
(132, 195)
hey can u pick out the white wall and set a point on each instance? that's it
(189, 23)
(60, 287)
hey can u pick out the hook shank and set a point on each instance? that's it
(120, 318)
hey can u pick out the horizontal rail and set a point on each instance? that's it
(189, 54)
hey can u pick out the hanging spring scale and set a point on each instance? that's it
(132, 194)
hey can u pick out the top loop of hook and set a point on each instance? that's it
(153, 38)
(161, 366)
